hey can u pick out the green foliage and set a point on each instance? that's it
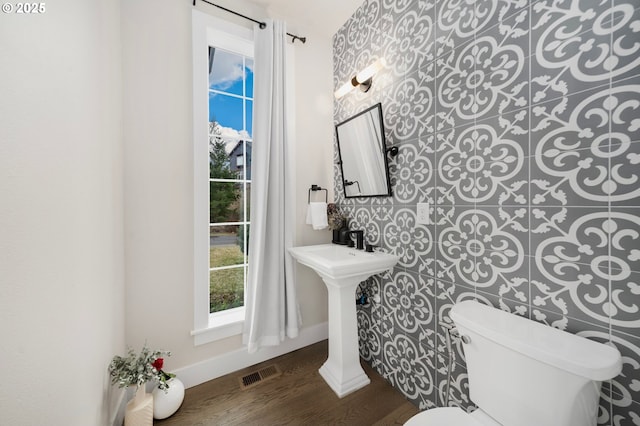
(218, 157)
(136, 369)
(223, 202)
(226, 287)
(223, 196)
(226, 255)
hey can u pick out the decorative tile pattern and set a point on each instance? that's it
(411, 109)
(519, 122)
(407, 239)
(410, 370)
(414, 173)
(481, 165)
(575, 147)
(456, 24)
(410, 34)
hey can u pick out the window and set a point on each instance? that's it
(223, 104)
(230, 117)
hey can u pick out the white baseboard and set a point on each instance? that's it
(229, 362)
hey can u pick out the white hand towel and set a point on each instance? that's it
(317, 215)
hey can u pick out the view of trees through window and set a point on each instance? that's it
(230, 129)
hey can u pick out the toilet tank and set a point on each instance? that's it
(523, 373)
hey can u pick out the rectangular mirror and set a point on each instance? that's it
(363, 155)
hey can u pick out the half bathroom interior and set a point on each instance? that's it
(516, 121)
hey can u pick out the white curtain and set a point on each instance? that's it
(270, 301)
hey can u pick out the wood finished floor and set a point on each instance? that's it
(298, 397)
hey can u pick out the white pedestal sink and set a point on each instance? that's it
(342, 269)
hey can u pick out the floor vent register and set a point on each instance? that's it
(252, 379)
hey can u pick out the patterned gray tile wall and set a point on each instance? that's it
(519, 121)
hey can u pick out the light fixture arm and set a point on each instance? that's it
(365, 85)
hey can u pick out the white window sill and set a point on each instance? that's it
(221, 325)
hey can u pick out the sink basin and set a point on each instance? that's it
(340, 262)
(342, 269)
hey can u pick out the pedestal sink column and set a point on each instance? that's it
(342, 370)
(342, 269)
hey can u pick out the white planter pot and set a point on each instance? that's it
(166, 402)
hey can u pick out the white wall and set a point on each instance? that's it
(158, 172)
(77, 82)
(61, 257)
(314, 139)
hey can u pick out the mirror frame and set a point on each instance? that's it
(377, 106)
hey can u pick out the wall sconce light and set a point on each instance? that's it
(363, 79)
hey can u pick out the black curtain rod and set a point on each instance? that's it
(261, 24)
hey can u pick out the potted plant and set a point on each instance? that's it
(136, 370)
(336, 221)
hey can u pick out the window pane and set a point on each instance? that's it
(226, 110)
(248, 195)
(225, 71)
(225, 246)
(219, 148)
(243, 241)
(226, 289)
(248, 159)
(240, 160)
(249, 119)
(237, 160)
(225, 202)
(249, 76)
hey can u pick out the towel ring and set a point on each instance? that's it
(314, 188)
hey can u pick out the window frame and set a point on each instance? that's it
(209, 31)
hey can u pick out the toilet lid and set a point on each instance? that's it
(450, 416)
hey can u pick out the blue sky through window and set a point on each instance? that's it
(226, 110)
(231, 88)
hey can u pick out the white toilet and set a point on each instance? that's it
(523, 373)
